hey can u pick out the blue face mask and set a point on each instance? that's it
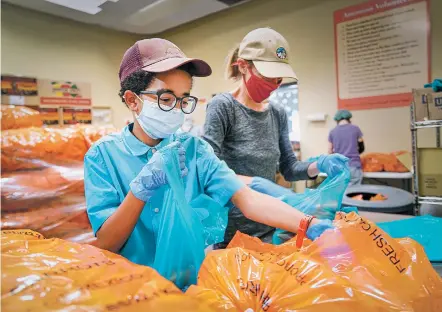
(159, 124)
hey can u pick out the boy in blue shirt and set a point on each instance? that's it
(124, 181)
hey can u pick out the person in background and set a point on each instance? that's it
(124, 180)
(346, 139)
(251, 135)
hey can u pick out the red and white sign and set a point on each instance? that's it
(382, 51)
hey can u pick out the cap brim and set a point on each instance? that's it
(201, 68)
(275, 69)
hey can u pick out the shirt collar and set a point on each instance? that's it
(138, 148)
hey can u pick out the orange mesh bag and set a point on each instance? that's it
(94, 133)
(355, 267)
(54, 275)
(46, 216)
(33, 148)
(25, 190)
(16, 117)
(377, 162)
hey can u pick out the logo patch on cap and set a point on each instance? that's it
(281, 53)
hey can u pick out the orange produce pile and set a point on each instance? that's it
(16, 117)
(378, 162)
(42, 181)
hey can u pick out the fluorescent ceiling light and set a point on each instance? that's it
(87, 6)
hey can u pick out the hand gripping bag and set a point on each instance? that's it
(181, 234)
(322, 202)
(354, 267)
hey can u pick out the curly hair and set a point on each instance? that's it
(136, 82)
(140, 80)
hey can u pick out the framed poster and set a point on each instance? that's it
(50, 115)
(382, 51)
(22, 86)
(102, 116)
(19, 90)
(73, 116)
(64, 93)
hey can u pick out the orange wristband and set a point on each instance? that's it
(302, 229)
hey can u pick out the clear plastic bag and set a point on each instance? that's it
(322, 202)
(180, 240)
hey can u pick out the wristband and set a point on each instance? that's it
(302, 229)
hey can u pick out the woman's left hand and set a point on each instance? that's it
(332, 164)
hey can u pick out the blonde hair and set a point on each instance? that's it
(232, 69)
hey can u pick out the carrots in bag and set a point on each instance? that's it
(377, 162)
(16, 117)
(26, 189)
(33, 148)
(54, 275)
(93, 133)
(355, 267)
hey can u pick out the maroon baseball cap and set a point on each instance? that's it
(158, 55)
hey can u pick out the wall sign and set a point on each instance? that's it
(382, 51)
(50, 115)
(15, 85)
(64, 93)
(73, 116)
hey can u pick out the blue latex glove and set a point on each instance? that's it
(152, 175)
(316, 230)
(436, 85)
(269, 188)
(332, 164)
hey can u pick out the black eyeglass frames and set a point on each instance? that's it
(167, 101)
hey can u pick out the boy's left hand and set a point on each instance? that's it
(152, 175)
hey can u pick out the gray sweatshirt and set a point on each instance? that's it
(252, 144)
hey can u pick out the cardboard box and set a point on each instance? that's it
(420, 98)
(430, 171)
(435, 106)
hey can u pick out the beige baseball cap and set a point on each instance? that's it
(269, 52)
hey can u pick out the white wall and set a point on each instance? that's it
(43, 46)
(308, 26)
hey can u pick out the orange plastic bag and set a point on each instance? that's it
(93, 133)
(33, 148)
(54, 275)
(16, 117)
(27, 189)
(377, 162)
(355, 267)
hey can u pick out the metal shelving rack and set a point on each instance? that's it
(415, 126)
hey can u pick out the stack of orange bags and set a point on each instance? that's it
(42, 179)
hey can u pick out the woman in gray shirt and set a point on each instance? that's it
(252, 136)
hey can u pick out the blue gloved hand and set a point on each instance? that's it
(436, 85)
(152, 175)
(332, 164)
(316, 230)
(269, 188)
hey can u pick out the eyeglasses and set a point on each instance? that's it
(167, 101)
